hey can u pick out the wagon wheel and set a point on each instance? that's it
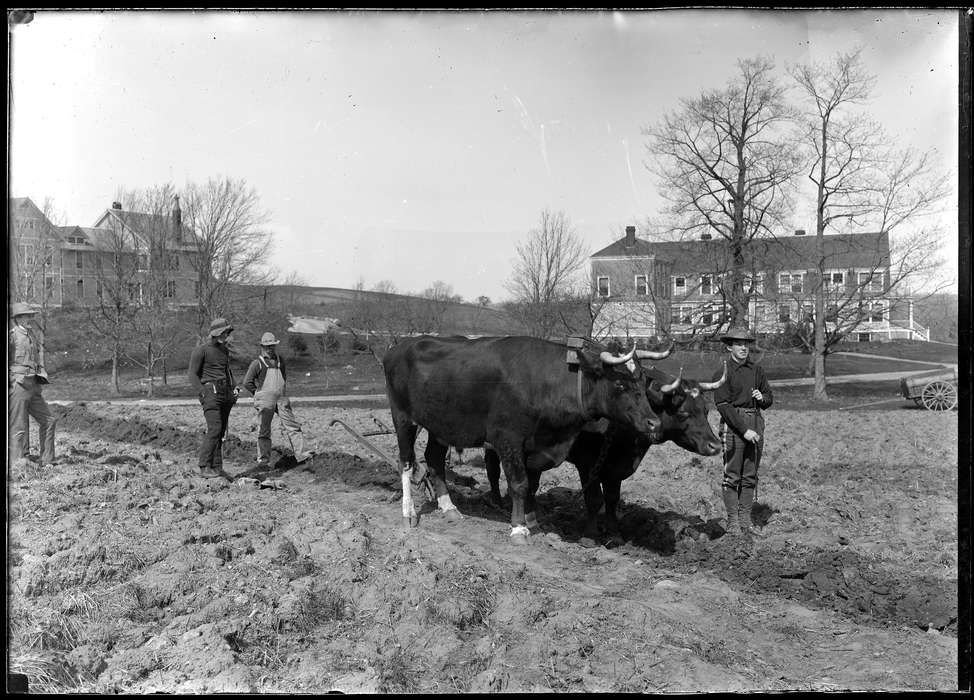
(939, 396)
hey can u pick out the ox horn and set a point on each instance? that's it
(653, 355)
(711, 386)
(610, 359)
(670, 388)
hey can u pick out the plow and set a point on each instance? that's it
(420, 475)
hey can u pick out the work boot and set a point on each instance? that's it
(731, 503)
(746, 503)
(213, 473)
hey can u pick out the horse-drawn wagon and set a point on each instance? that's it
(935, 390)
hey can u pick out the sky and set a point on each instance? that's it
(415, 147)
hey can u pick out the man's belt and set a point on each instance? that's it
(216, 384)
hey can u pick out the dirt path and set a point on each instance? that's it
(129, 574)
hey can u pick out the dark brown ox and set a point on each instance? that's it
(516, 393)
(606, 453)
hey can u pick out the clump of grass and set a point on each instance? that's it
(46, 673)
(320, 605)
(396, 674)
(465, 601)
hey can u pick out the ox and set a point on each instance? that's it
(605, 453)
(516, 394)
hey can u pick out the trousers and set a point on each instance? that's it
(25, 401)
(742, 458)
(216, 405)
(290, 426)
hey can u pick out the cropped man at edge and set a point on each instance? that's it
(26, 379)
(210, 374)
(740, 401)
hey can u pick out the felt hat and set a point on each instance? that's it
(269, 339)
(218, 325)
(21, 309)
(738, 333)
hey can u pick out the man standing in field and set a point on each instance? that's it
(740, 401)
(210, 374)
(27, 377)
(266, 379)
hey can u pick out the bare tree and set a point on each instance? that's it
(34, 264)
(434, 304)
(154, 325)
(232, 242)
(118, 290)
(860, 181)
(545, 284)
(726, 164)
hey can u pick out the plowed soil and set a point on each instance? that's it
(129, 573)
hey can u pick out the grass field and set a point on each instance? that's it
(357, 373)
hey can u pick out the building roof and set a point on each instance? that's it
(147, 223)
(25, 207)
(846, 250)
(98, 238)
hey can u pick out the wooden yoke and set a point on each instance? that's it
(573, 343)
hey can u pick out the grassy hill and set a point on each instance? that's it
(333, 302)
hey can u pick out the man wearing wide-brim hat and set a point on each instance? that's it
(739, 401)
(26, 380)
(210, 374)
(266, 379)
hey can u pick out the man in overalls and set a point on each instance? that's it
(266, 379)
(740, 401)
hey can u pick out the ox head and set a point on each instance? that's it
(682, 406)
(617, 389)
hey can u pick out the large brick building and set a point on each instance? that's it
(646, 289)
(63, 266)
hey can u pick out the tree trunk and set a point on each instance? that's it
(819, 392)
(115, 371)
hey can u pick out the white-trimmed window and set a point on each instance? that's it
(754, 283)
(143, 262)
(80, 289)
(784, 313)
(79, 260)
(681, 315)
(834, 279)
(27, 254)
(602, 286)
(707, 286)
(870, 280)
(791, 282)
(174, 262)
(877, 312)
(170, 289)
(679, 285)
(641, 284)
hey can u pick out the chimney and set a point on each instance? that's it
(177, 221)
(117, 205)
(705, 236)
(799, 232)
(630, 236)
